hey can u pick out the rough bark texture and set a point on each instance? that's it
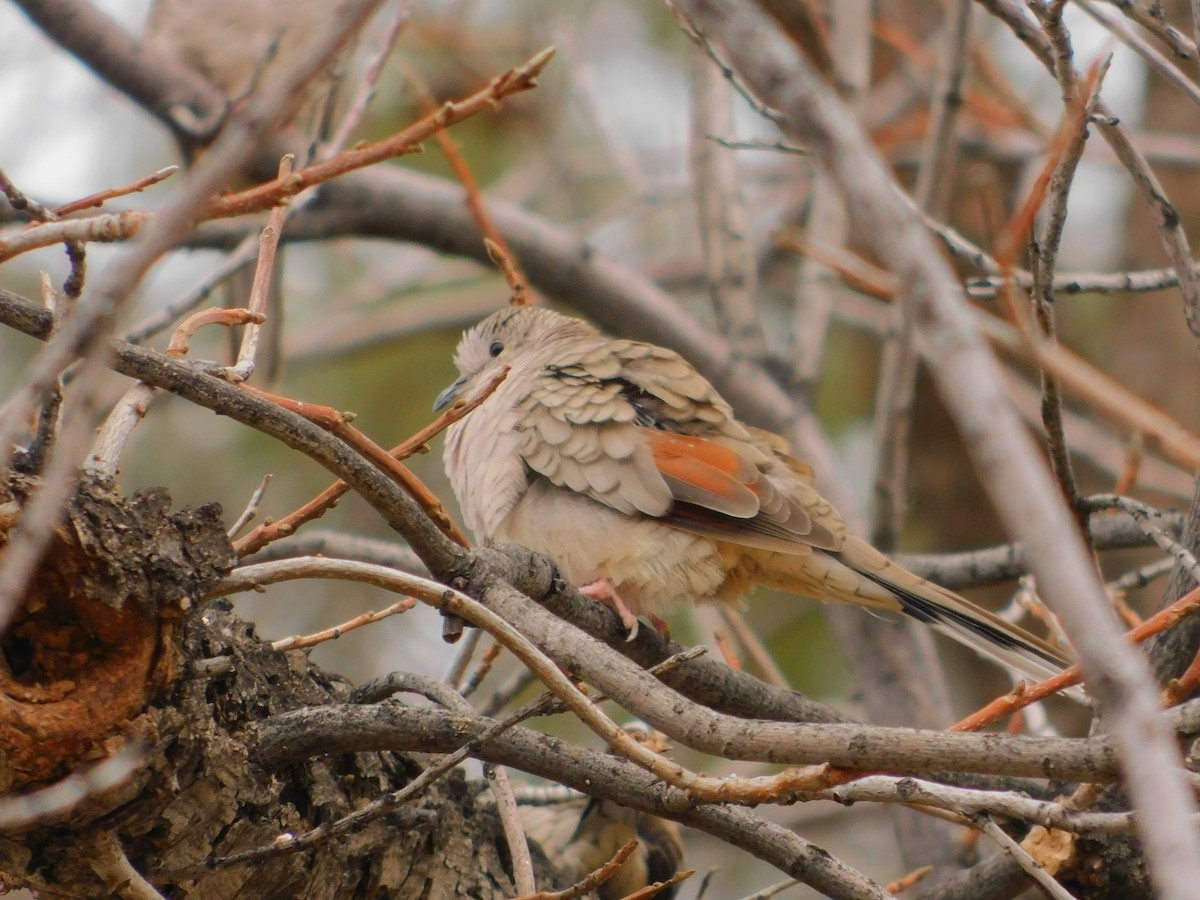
(101, 656)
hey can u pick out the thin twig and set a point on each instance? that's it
(260, 291)
(181, 337)
(327, 499)
(592, 880)
(1023, 695)
(301, 642)
(112, 865)
(22, 203)
(366, 84)
(775, 890)
(480, 672)
(514, 834)
(906, 881)
(1143, 48)
(498, 247)
(1150, 520)
(730, 266)
(1045, 250)
(461, 660)
(251, 510)
(1030, 866)
(1153, 20)
(114, 435)
(92, 201)
(519, 682)
(518, 286)
(757, 651)
(897, 383)
(515, 80)
(1179, 689)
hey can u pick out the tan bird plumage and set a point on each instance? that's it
(579, 836)
(619, 461)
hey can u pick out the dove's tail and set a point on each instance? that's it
(982, 631)
(860, 574)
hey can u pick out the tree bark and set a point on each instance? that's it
(115, 589)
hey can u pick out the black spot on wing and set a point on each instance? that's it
(571, 374)
(649, 408)
(646, 406)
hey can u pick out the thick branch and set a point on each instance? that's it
(155, 80)
(347, 729)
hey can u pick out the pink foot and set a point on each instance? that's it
(604, 591)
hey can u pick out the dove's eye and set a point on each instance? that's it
(496, 349)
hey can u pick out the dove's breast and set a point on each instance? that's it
(486, 473)
(656, 568)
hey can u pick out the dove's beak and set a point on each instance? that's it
(449, 395)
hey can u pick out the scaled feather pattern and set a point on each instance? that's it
(624, 465)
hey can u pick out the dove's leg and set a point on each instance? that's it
(605, 591)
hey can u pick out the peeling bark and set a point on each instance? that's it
(100, 657)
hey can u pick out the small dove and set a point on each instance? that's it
(580, 836)
(623, 464)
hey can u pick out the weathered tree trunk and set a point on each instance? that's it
(103, 655)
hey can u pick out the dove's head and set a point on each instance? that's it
(502, 340)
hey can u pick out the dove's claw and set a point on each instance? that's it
(605, 591)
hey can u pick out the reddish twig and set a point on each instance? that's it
(260, 290)
(181, 339)
(419, 441)
(338, 424)
(904, 882)
(1179, 689)
(727, 652)
(299, 642)
(1016, 234)
(591, 882)
(125, 225)
(1133, 462)
(1023, 696)
(92, 201)
(408, 140)
(1128, 615)
(498, 248)
(753, 647)
(273, 530)
(511, 270)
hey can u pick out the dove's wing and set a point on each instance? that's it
(637, 428)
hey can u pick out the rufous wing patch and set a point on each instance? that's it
(722, 493)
